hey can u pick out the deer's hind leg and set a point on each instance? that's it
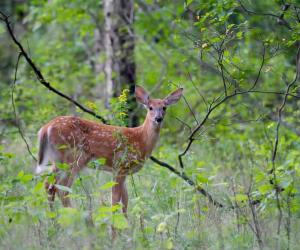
(50, 190)
(63, 178)
(50, 187)
(66, 179)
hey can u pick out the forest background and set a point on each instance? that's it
(225, 173)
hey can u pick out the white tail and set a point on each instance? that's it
(75, 141)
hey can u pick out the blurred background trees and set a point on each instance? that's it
(92, 50)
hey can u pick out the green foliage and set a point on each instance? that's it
(120, 108)
(186, 43)
(97, 164)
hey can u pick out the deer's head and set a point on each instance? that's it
(156, 107)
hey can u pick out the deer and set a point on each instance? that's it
(76, 142)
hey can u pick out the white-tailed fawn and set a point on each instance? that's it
(74, 142)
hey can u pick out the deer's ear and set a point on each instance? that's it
(141, 95)
(173, 97)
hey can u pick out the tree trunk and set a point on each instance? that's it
(119, 66)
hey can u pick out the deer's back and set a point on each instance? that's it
(119, 146)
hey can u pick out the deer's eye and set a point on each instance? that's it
(164, 108)
(150, 108)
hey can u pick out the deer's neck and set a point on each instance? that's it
(150, 134)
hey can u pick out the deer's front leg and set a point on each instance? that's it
(124, 198)
(64, 179)
(117, 196)
(118, 190)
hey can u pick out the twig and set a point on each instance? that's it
(191, 110)
(184, 124)
(202, 97)
(15, 111)
(220, 62)
(260, 68)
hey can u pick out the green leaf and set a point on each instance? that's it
(24, 177)
(63, 166)
(240, 197)
(119, 221)
(51, 178)
(9, 155)
(51, 215)
(62, 146)
(106, 209)
(108, 185)
(169, 244)
(188, 2)
(264, 189)
(101, 161)
(97, 163)
(20, 174)
(162, 227)
(201, 178)
(38, 187)
(239, 35)
(226, 53)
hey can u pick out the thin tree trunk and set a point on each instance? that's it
(109, 44)
(120, 66)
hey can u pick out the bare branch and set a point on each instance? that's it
(260, 68)
(15, 110)
(198, 91)
(183, 123)
(191, 110)
(220, 52)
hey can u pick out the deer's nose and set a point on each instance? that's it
(158, 119)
